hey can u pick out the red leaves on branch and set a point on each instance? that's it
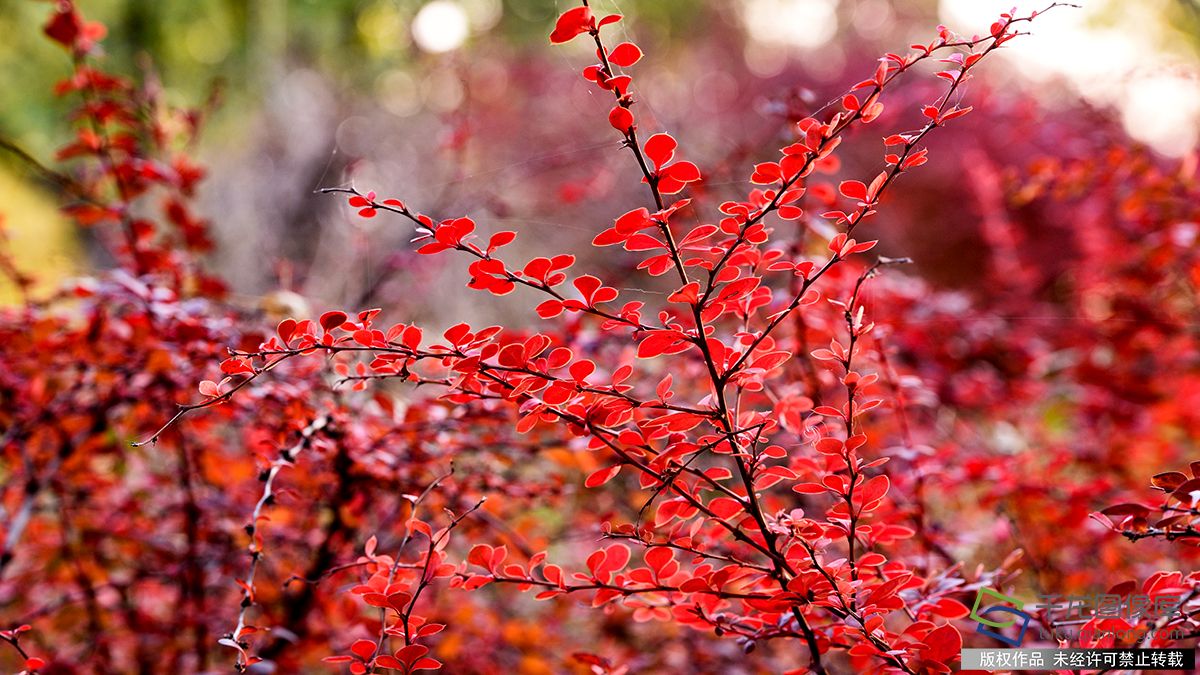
(669, 178)
(1177, 519)
(606, 562)
(548, 271)
(751, 473)
(594, 292)
(490, 275)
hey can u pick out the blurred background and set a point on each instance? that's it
(461, 107)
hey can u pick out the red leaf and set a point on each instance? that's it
(365, 649)
(606, 561)
(643, 242)
(410, 653)
(660, 148)
(659, 342)
(945, 644)
(500, 239)
(1168, 480)
(285, 330)
(808, 488)
(608, 237)
(64, 27)
(877, 185)
(391, 662)
(659, 557)
(766, 173)
(625, 54)
(875, 489)
(956, 112)
(725, 507)
(236, 366)
(950, 609)
(580, 370)
(573, 22)
(598, 478)
(1122, 510)
(916, 159)
(331, 320)
(633, 221)
(853, 189)
(587, 286)
(1188, 492)
(620, 118)
(688, 294)
(685, 172)
(481, 554)
(550, 309)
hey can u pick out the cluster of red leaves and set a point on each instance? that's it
(1070, 378)
(1179, 512)
(120, 559)
(718, 442)
(707, 450)
(131, 137)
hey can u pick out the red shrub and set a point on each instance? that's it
(703, 466)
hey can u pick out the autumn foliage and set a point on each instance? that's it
(798, 458)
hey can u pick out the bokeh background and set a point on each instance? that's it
(461, 107)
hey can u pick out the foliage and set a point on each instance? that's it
(781, 464)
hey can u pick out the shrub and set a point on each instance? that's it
(765, 468)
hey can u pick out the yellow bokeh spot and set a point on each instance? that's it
(382, 28)
(40, 240)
